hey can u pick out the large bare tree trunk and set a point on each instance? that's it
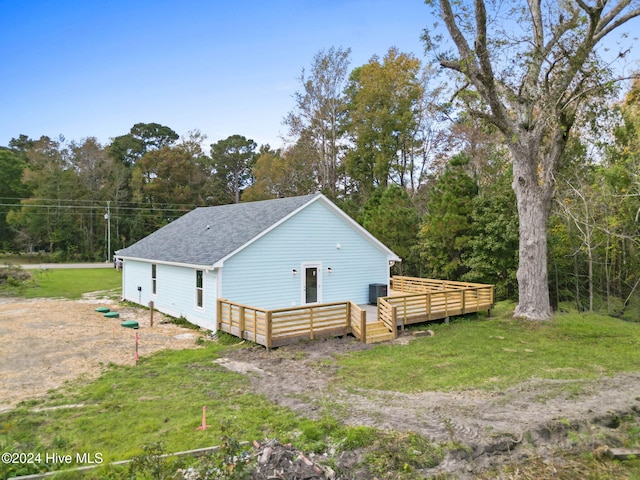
(534, 205)
(533, 299)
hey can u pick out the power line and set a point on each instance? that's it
(91, 207)
(98, 203)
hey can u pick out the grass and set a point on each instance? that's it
(497, 353)
(71, 283)
(161, 400)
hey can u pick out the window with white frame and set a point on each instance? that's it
(199, 289)
(154, 279)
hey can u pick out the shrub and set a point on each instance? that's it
(13, 279)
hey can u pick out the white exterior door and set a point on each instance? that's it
(311, 283)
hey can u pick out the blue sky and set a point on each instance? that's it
(90, 68)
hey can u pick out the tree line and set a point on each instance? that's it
(429, 173)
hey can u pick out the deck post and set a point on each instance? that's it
(241, 322)
(446, 302)
(427, 297)
(464, 298)
(218, 314)
(255, 325)
(269, 329)
(394, 317)
(363, 326)
(404, 313)
(348, 309)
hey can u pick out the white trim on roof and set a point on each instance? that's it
(391, 256)
(163, 262)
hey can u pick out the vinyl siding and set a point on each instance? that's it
(261, 274)
(175, 291)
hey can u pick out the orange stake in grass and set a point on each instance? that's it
(204, 419)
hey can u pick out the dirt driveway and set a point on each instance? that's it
(44, 343)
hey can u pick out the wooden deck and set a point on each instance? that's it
(417, 300)
(277, 327)
(412, 300)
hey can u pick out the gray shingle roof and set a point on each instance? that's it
(208, 234)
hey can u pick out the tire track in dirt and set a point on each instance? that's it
(491, 425)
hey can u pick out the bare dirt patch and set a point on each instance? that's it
(45, 343)
(530, 420)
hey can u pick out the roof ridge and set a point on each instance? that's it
(254, 202)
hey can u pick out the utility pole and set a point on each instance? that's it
(107, 217)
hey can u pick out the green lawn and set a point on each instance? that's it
(72, 282)
(496, 353)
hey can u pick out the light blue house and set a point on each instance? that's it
(269, 254)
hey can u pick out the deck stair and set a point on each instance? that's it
(378, 332)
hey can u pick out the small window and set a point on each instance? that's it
(153, 278)
(199, 289)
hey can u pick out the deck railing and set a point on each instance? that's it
(422, 300)
(248, 323)
(414, 300)
(423, 285)
(387, 314)
(358, 322)
(277, 327)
